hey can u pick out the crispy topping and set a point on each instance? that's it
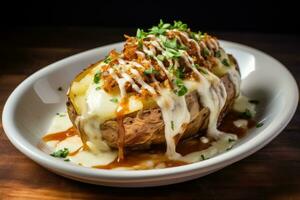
(162, 56)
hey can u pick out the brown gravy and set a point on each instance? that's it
(60, 136)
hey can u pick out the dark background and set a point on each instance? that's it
(251, 16)
(34, 35)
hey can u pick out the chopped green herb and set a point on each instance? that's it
(140, 45)
(203, 71)
(140, 34)
(182, 47)
(163, 25)
(67, 160)
(202, 157)
(180, 26)
(181, 89)
(229, 148)
(151, 70)
(107, 60)
(160, 29)
(114, 100)
(206, 52)
(60, 88)
(170, 43)
(98, 88)
(231, 140)
(161, 57)
(179, 72)
(172, 125)
(60, 115)
(196, 36)
(254, 101)
(260, 124)
(172, 53)
(97, 77)
(225, 62)
(218, 54)
(63, 153)
(247, 114)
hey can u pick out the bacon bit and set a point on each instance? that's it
(127, 37)
(109, 83)
(129, 52)
(144, 93)
(114, 54)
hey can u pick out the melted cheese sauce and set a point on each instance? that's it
(191, 150)
(176, 116)
(58, 138)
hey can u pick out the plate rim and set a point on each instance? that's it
(225, 159)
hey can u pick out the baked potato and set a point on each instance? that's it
(123, 100)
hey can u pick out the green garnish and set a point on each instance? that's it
(161, 57)
(229, 148)
(170, 43)
(160, 29)
(172, 53)
(97, 77)
(151, 70)
(203, 157)
(254, 101)
(180, 26)
(196, 36)
(62, 153)
(260, 124)
(177, 72)
(67, 160)
(60, 115)
(114, 100)
(181, 89)
(218, 54)
(231, 140)
(140, 45)
(98, 88)
(247, 114)
(206, 52)
(140, 34)
(172, 125)
(201, 69)
(107, 60)
(225, 62)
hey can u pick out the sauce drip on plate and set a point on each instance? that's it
(155, 157)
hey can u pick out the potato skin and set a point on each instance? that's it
(146, 127)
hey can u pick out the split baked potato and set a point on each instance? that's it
(121, 91)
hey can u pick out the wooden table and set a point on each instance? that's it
(271, 173)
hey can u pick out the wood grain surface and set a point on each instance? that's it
(271, 173)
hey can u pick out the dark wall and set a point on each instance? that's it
(243, 15)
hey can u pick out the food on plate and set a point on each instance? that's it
(166, 100)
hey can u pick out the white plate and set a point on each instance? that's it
(29, 109)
